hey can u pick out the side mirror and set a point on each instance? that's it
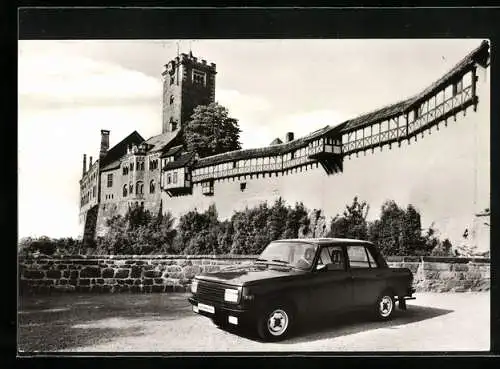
(320, 267)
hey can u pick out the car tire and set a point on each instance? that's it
(385, 306)
(275, 322)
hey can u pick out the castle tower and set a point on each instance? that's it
(187, 83)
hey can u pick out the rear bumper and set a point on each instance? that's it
(231, 316)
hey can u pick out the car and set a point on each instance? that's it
(296, 278)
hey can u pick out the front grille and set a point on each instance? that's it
(210, 291)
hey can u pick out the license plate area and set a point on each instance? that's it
(206, 308)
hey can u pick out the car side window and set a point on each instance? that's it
(358, 257)
(372, 261)
(332, 257)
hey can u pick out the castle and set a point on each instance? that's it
(363, 156)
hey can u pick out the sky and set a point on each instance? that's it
(70, 90)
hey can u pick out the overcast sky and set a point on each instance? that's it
(70, 90)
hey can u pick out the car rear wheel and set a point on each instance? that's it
(384, 308)
(275, 323)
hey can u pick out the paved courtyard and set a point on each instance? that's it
(165, 323)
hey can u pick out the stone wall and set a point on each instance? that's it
(173, 273)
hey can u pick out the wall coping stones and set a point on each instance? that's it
(101, 258)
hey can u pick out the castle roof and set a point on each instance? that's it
(172, 151)
(113, 156)
(478, 55)
(182, 161)
(161, 142)
(278, 149)
(276, 141)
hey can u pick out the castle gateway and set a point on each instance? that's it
(439, 137)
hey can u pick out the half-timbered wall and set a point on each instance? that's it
(439, 165)
(435, 108)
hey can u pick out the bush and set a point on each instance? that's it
(47, 246)
(138, 233)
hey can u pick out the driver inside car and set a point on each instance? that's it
(306, 259)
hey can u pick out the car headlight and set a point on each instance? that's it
(194, 286)
(231, 295)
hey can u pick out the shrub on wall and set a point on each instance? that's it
(137, 233)
(397, 231)
(49, 246)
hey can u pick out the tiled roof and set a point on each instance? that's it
(115, 164)
(392, 110)
(161, 141)
(276, 141)
(172, 151)
(181, 162)
(264, 151)
(116, 152)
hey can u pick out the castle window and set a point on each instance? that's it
(172, 79)
(131, 167)
(234, 164)
(125, 191)
(199, 77)
(174, 180)
(110, 180)
(457, 88)
(152, 186)
(169, 178)
(131, 189)
(243, 186)
(139, 188)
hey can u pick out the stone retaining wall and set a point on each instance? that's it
(173, 273)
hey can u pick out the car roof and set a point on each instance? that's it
(346, 241)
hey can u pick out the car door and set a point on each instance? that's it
(331, 286)
(367, 279)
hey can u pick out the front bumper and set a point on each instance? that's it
(236, 316)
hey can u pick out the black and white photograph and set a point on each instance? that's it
(254, 195)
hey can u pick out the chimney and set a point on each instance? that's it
(84, 164)
(90, 163)
(104, 142)
(289, 137)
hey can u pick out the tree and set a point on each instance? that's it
(138, 232)
(296, 218)
(211, 131)
(444, 248)
(387, 231)
(276, 220)
(466, 248)
(352, 224)
(315, 226)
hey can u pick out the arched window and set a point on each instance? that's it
(131, 189)
(139, 188)
(125, 191)
(152, 186)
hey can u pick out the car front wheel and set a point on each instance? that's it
(275, 323)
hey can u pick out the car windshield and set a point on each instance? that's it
(295, 254)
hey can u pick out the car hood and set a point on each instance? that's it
(249, 273)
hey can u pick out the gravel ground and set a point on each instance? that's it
(165, 323)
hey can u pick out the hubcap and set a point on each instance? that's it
(385, 306)
(277, 322)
